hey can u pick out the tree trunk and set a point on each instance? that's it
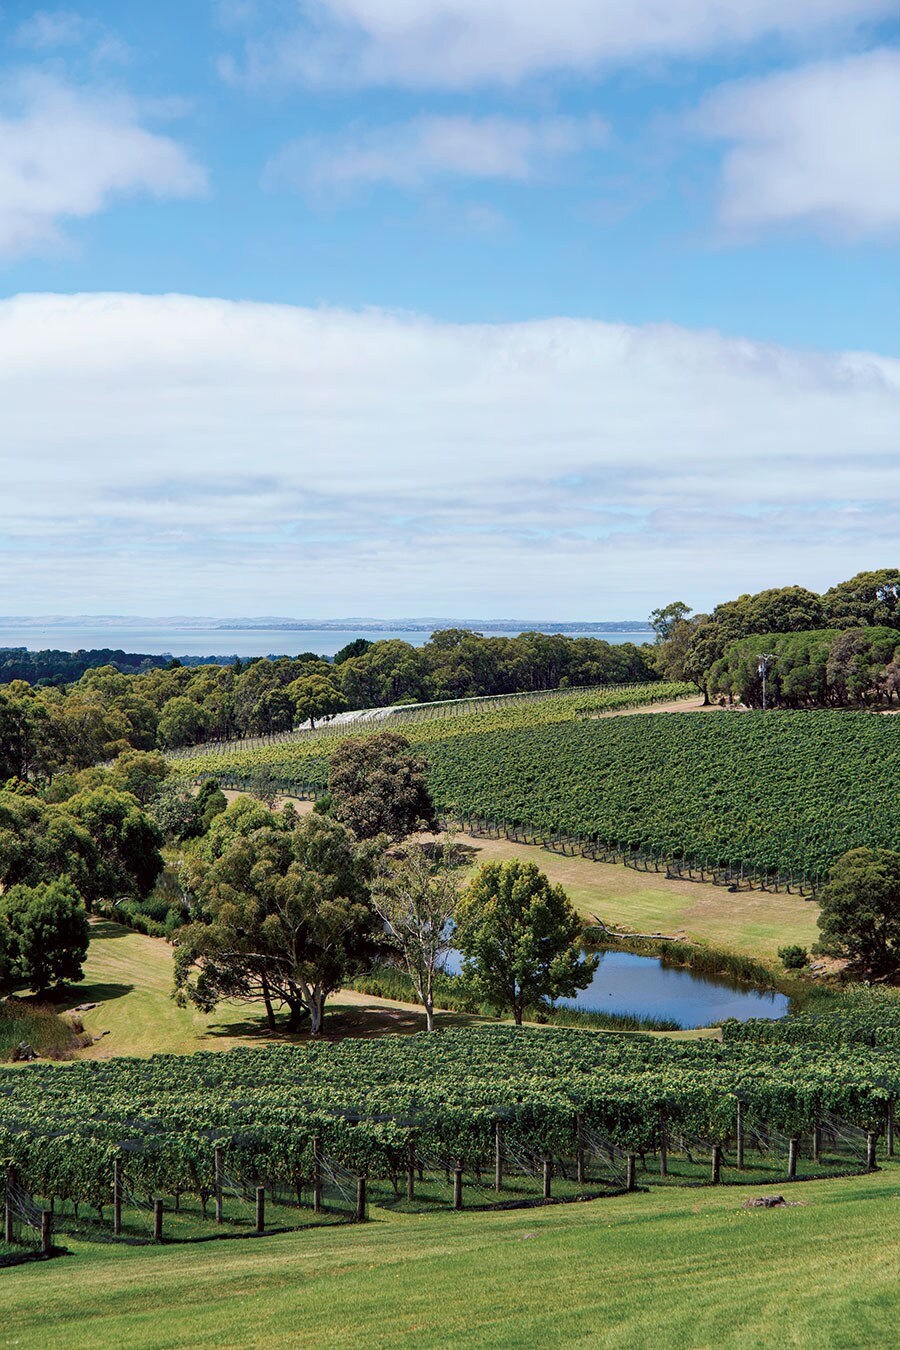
(267, 999)
(316, 1014)
(517, 1014)
(429, 1017)
(298, 1012)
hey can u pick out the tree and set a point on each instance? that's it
(48, 932)
(182, 722)
(315, 696)
(283, 914)
(378, 787)
(41, 842)
(126, 840)
(358, 647)
(418, 896)
(664, 621)
(139, 772)
(520, 939)
(860, 915)
(870, 599)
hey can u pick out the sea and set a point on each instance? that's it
(227, 643)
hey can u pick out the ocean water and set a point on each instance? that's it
(228, 642)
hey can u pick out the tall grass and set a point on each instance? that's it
(41, 1027)
(387, 981)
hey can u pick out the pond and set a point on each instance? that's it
(644, 987)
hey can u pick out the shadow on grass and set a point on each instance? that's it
(356, 1020)
(106, 928)
(73, 996)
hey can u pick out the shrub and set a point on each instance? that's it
(793, 957)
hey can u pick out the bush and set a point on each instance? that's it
(794, 957)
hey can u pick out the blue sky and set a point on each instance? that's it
(474, 305)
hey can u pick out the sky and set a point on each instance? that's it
(400, 307)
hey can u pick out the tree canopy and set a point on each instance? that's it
(378, 787)
(520, 939)
(282, 914)
(860, 914)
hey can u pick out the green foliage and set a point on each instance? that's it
(62, 1126)
(127, 860)
(860, 915)
(315, 697)
(520, 939)
(788, 792)
(858, 1016)
(281, 913)
(40, 1026)
(793, 957)
(47, 934)
(377, 787)
(813, 669)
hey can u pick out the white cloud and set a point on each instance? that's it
(66, 153)
(49, 30)
(820, 144)
(176, 454)
(411, 153)
(458, 43)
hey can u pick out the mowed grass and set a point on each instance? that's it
(754, 923)
(129, 977)
(669, 1268)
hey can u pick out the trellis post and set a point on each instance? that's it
(8, 1207)
(817, 1142)
(793, 1155)
(47, 1232)
(740, 1135)
(498, 1155)
(260, 1209)
(716, 1164)
(457, 1187)
(157, 1220)
(317, 1174)
(579, 1148)
(890, 1127)
(117, 1196)
(548, 1173)
(630, 1172)
(361, 1199)
(871, 1143)
(411, 1168)
(219, 1181)
(663, 1144)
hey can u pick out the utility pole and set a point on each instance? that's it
(763, 663)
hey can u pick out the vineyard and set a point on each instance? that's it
(742, 797)
(476, 1117)
(423, 723)
(860, 1017)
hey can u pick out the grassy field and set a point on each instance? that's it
(755, 923)
(129, 977)
(670, 1268)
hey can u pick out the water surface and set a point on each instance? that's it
(644, 987)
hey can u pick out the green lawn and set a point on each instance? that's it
(754, 923)
(129, 977)
(671, 1268)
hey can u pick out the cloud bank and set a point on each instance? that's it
(454, 44)
(173, 453)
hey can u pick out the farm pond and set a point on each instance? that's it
(643, 986)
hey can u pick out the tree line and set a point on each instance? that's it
(836, 649)
(45, 731)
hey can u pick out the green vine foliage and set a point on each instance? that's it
(362, 1100)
